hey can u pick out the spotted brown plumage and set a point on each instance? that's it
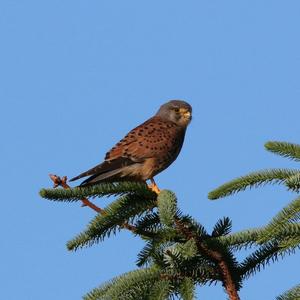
(147, 149)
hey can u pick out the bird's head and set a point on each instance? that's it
(177, 111)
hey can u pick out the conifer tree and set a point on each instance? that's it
(179, 253)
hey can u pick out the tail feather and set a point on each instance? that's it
(105, 170)
(99, 168)
(97, 178)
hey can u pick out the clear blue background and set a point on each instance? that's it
(75, 76)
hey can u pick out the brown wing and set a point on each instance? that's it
(154, 138)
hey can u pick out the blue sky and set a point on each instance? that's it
(75, 76)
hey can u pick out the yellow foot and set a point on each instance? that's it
(153, 187)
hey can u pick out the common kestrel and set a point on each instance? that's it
(146, 150)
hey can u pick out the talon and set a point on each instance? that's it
(153, 187)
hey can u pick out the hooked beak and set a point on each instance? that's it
(186, 114)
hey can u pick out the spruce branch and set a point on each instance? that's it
(160, 290)
(293, 182)
(222, 227)
(285, 149)
(254, 179)
(204, 272)
(149, 222)
(167, 207)
(98, 190)
(99, 293)
(172, 258)
(292, 294)
(184, 260)
(191, 225)
(188, 249)
(148, 254)
(133, 285)
(187, 289)
(251, 237)
(179, 253)
(153, 250)
(290, 243)
(290, 213)
(240, 240)
(259, 259)
(226, 271)
(58, 181)
(115, 215)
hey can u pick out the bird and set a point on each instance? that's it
(146, 150)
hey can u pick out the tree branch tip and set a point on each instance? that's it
(58, 181)
(42, 193)
(69, 247)
(212, 196)
(268, 144)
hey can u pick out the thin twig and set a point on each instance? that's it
(63, 183)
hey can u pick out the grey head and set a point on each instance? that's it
(177, 111)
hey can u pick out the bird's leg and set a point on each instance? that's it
(153, 186)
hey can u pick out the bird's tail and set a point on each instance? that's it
(108, 176)
(105, 171)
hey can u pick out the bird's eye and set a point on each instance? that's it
(176, 109)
